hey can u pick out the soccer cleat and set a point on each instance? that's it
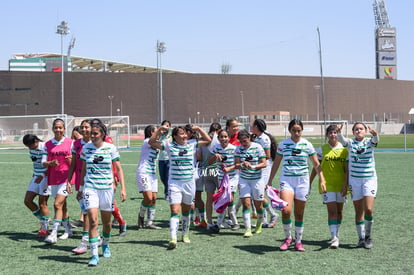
(235, 227)
(66, 235)
(42, 233)
(258, 228)
(248, 233)
(76, 224)
(153, 226)
(52, 238)
(334, 243)
(106, 252)
(122, 230)
(197, 221)
(186, 238)
(214, 228)
(368, 242)
(361, 243)
(299, 247)
(254, 215)
(82, 248)
(140, 222)
(202, 223)
(285, 245)
(273, 221)
(172, 244)
(94, 261)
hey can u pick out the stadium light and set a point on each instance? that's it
(62, 29)
(161, 48)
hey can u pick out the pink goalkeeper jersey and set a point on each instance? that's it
(58, 150)
(77, 150)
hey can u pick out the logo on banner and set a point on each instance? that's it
(387, 45)
(388, 72)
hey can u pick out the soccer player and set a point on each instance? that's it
(269, 146)
(147, 180)
(333, 158)
(57, 158)
(223, 154)
(207, 181)
(75, 171)
(38, 185)
(181, 185)
(250, 159)
(232, 127)
(362, 178)
(294, 180)
(97, 188)
(116, 213)
(163, 161)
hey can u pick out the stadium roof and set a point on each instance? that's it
(96, 65)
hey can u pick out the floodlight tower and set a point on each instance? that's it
(161, 48)
(385, 43)
(62, 30)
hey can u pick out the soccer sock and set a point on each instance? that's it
(66, 225)
(93, 243)
(143, 208)
(269, 208)
(333, 227)
(185, 223)
(360, 227)
(368, 225)
(151, 214)
(45, 222)
(106, 237)
(287, 228)
(260, 214)
(232, 210)
(238, 205)
(85, 236)
(298, 231)
(220, 218)
(174, 221)
(56, 225)
(265, 216)
(37, 214)
(192, 215)
(253, 207)
(246, 218)
(117, 215)
(202, 213)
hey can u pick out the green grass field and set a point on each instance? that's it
(145, 251)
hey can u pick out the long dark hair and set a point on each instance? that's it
(261, 125)
(148, 131)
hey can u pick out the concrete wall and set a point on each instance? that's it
(212, 95)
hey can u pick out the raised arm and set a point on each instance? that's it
(154, 140)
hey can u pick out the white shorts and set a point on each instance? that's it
(181, 192)
(328, 197)
(59, 190)
(297, 185)
(234, 183)
(41, 188)
(147, 182)
(363, 187)
(252, 188)
(101, 199)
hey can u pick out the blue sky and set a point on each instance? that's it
(254, 37)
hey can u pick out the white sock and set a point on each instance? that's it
(246, 219)
(174, 221)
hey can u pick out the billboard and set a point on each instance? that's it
(387, 58)
(387, 72)
(386, 44)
